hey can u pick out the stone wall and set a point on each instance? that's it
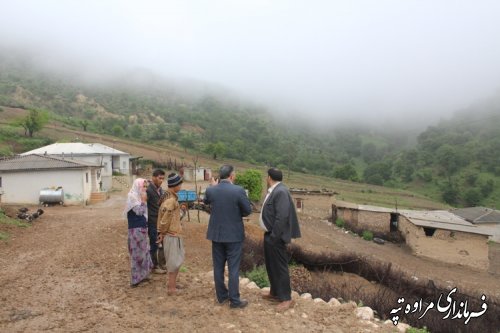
(374, 221)
(350, 216)
(494, 256)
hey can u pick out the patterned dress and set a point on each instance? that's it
(138, 240)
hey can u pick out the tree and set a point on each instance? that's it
(84, 124)
(216, 149)
(136, 131)
(252, 181)
(290, 152)
(117, 130)
(449, 159)
(346, 172)
(187, 142)
(449, 193)
(473, 197)
(159, 132)
(34, 121)
(369, 152)
(377, 173)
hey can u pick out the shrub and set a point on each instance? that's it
(487, 187)
(259, 275)
(252, 181)
(340, 222)
(425, 175)
(367, 235)
(346, 172)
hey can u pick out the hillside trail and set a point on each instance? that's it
(69, 272)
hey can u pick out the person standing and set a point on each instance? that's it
(136, 211)
(155, 192)
(170, 230)
(229, 204)
(280, 224)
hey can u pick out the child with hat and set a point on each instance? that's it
(170, 230)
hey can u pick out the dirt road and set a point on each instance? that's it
(69, 272)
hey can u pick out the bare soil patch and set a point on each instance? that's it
(69, 272)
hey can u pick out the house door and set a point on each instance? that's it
(394, 222)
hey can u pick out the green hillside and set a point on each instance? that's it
(455, 161)
(459, 159)
(146, 108)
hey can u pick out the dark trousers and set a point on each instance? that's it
(277, 258)
(230, 252)
(153, 247)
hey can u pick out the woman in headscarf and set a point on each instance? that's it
(136, 211)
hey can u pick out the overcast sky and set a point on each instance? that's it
(355, 59)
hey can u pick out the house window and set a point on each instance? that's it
(124, 165)
(87, 177)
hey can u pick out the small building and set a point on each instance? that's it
(444, 236)
(299, 204)
(439, 235)
(191, 174)
(112, 160)
(379, 220)
(486, 218)
(23, 177)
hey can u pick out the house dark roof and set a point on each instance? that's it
(478, 215)
(40, 162)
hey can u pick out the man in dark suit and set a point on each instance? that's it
(229, 204)
(279, 221)
(154, 192)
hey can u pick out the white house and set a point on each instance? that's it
(95, 153)
(23, 177)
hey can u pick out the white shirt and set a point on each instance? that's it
(269, 191)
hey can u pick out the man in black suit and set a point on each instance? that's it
(154, 192)
(229, 204)
(279, 221)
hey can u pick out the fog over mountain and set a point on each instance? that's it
(372, 61)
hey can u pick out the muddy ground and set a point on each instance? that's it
(69, 272)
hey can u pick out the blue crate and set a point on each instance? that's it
(187, 196)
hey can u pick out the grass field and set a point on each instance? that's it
(348, 191)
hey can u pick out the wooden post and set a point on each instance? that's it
(199, 192)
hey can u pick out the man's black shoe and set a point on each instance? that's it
(223, 302)
(243, 303)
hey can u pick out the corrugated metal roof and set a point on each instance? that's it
(40, 162)
(478, 215)
(75, 148)
(439, 219)
(442, 219)
(350, 205)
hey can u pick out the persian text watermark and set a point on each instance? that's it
(451, 308)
